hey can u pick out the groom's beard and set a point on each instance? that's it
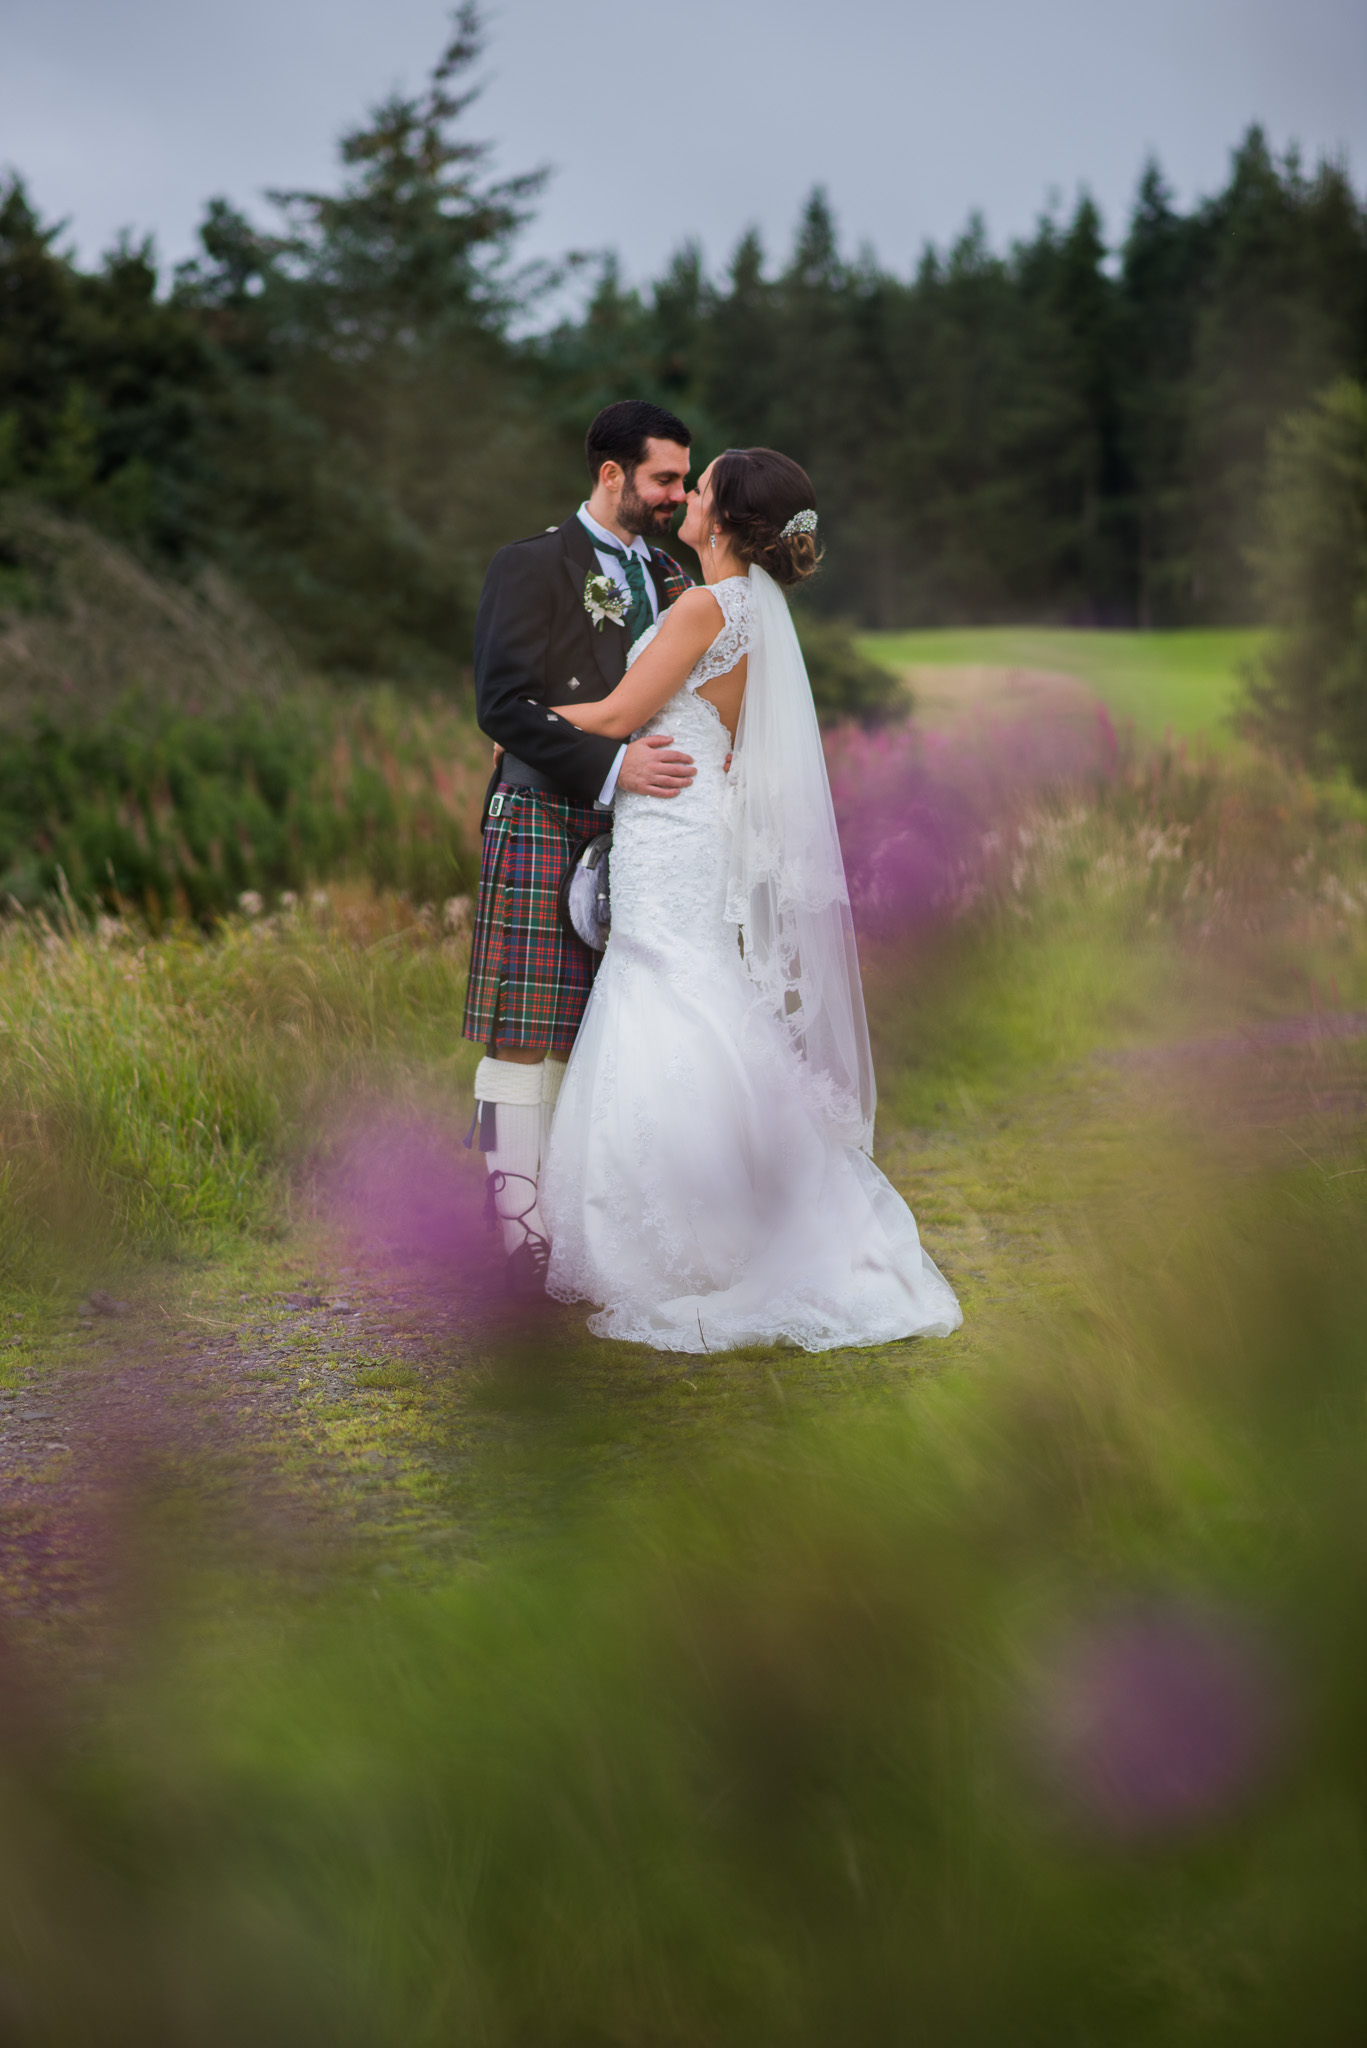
(652, 522)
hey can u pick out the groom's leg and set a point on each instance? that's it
(513, 1089)
(528, 983)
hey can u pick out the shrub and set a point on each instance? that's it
(845, 683)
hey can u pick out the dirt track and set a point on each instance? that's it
(305, 1423)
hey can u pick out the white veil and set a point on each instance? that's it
(786, 881)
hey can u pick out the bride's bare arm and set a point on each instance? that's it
(687, 630)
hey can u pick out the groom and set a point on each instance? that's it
(550, 631)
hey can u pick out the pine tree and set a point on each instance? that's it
(1061, 436)
(102, 384)
(415, 242)
(381, 427)
(1311, 693)
(1163, 259)
(737, 346)
(1281, 314)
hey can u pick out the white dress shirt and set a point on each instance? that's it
(611, 566)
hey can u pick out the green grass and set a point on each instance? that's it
(1187, 684)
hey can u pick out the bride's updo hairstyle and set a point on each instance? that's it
(755, 494)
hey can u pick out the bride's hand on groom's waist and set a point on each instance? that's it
(654, 767)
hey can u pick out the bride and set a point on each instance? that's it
(709, 1179)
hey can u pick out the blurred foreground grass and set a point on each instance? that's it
(1009, 1705)
(1183, 684)
(1006, 1690)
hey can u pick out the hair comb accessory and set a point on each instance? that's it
(801, 522)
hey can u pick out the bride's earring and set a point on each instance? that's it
(713, 541)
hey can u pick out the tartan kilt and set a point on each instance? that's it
(529, 978)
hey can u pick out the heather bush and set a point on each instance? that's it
(180, 814)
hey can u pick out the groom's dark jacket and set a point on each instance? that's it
(536, 647)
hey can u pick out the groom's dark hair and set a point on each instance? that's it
(620, 432)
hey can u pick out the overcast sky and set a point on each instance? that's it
(666, 122)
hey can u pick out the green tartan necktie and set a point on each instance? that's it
(640, 617)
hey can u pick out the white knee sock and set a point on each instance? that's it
(515, 1090)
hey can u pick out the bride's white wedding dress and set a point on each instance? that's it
(696, 1185)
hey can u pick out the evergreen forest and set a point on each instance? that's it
(343, 409)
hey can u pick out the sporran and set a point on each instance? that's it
(585, 903)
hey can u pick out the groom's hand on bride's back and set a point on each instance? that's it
(654, 767)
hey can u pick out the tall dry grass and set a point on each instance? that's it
(155, 1094)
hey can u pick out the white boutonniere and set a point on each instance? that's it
(604, 599)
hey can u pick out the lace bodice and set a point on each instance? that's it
(730, 645)
(733, 641)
